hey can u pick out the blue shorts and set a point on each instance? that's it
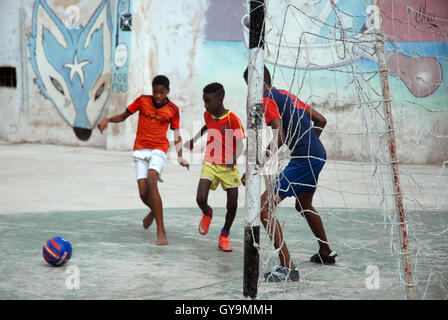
(299, 176)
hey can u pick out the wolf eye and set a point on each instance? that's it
(99, 91)
(57, 85)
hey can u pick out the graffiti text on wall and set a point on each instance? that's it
(121, 45)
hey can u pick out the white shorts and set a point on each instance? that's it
(146, 159)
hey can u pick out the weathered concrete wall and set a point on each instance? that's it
(80, 61)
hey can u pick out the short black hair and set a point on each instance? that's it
(215, 87)
(267, 76)
(161, 80)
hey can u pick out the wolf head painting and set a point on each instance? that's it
(72, 64)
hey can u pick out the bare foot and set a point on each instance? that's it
(147, 221)
(161, 237)
(162, 241)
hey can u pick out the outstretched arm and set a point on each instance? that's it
(178, 146)
(189, 144)
(117, 118)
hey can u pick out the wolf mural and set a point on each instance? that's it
(72, 64)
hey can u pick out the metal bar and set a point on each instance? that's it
(379, 50)
(254, 118)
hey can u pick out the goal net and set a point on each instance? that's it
(331, 54)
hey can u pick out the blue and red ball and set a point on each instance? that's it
(57, 251)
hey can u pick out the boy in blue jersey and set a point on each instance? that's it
(299, 128)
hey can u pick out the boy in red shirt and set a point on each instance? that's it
(156, 113)
(224, 146)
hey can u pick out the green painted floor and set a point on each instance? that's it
(114, 258)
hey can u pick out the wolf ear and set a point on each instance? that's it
(52, 85)
(44, 18)
(99, 28)
(100, 19)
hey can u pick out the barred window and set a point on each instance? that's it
(8, 77)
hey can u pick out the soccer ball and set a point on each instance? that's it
(57, 251)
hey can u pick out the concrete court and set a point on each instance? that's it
(89, 195)
(46, 178)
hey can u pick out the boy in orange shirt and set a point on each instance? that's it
(224, 146)
(156, 112)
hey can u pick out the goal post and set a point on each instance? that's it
(387, 109)
(253, 176)
(381, 199)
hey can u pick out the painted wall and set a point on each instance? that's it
(63, 69)
(326, 57)
(79, 61)
(12, 104)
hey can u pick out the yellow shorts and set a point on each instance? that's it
(221, 174)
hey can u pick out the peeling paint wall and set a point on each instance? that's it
(178, 58)
(201, 41)
(63, 70)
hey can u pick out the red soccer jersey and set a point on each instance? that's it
(153, 123)
(270, 108)
(222, 134)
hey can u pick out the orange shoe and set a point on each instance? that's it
(223, 244)
(204, 224)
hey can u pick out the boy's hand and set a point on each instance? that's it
(243, 179)
(103, 125)
(183, 163)
(189, 144)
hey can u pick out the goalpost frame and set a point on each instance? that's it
(254, 109)
(254, 119)
(379, 51)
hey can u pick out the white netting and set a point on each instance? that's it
(324, 53)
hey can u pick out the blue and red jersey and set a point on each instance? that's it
(301, 138)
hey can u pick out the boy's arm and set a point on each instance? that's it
(277, 140)
(319, 121)
(117, 118)
(239, 149)
(236, 155)
(189, 144)
(178, 146)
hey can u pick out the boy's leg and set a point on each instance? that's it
(273, 227)
(231, 206)
(305, 207)
(202, 201)
(202, 194)
(156, 205)
(141, 167)
(144, 196)
(148, 220)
